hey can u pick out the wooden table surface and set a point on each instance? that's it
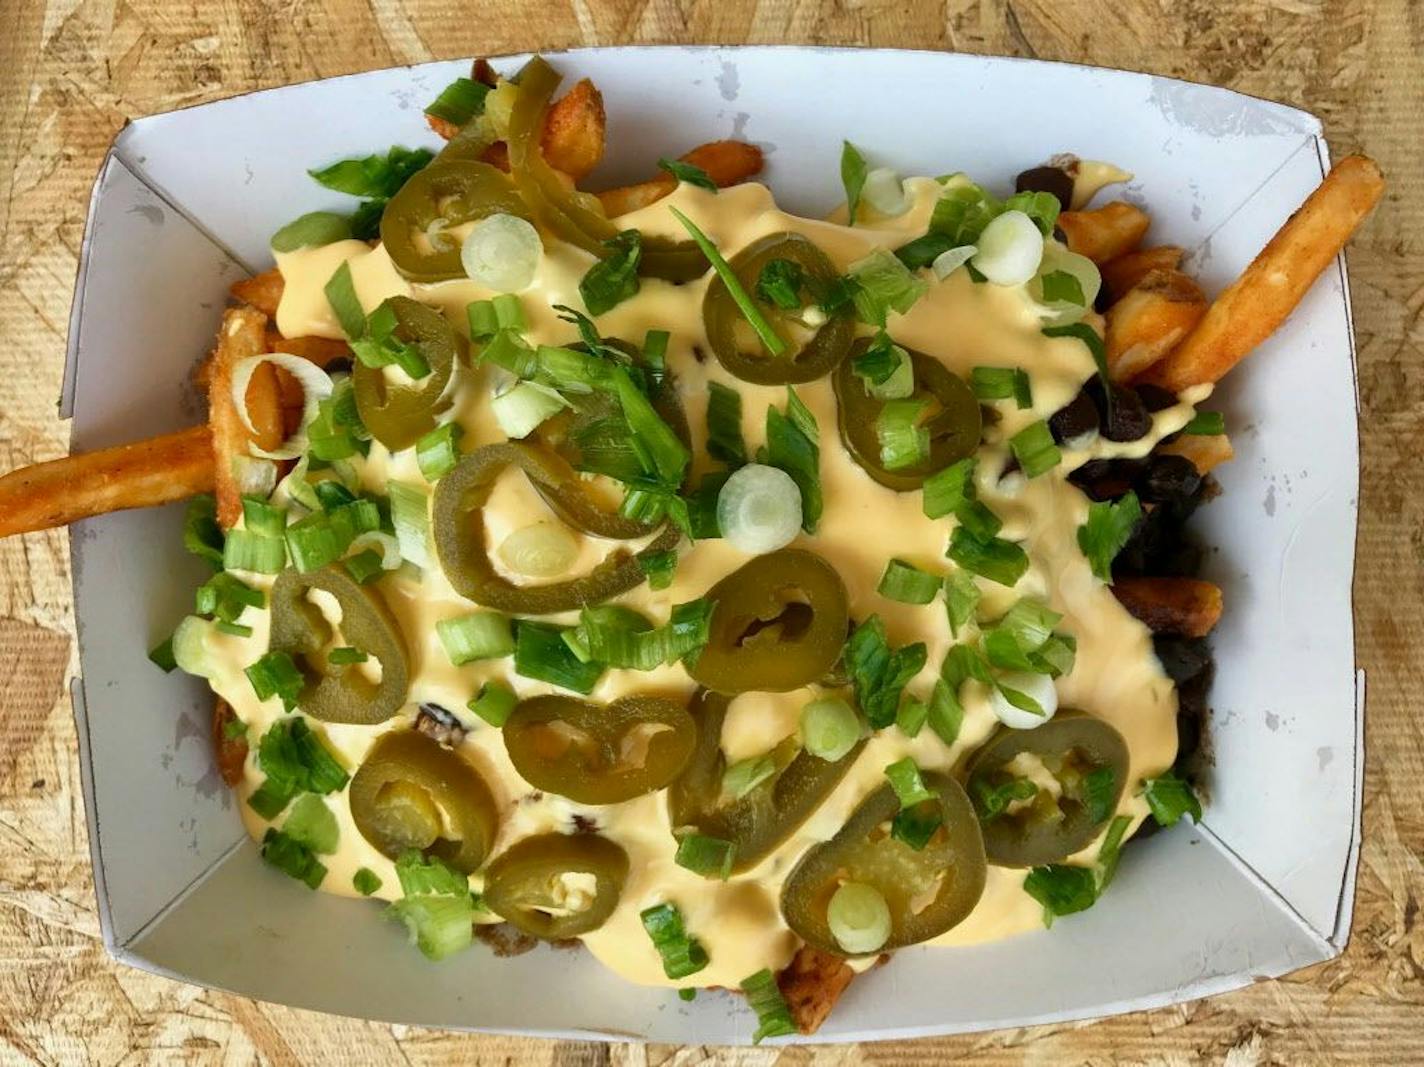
(73, 71)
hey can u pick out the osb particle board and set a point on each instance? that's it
(72, 72)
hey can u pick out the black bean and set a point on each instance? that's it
(1129, 420)
(1052, 180)
(1182, 658)
(1154, 398)
(1169, 478)
(1107, 479)
(440, 725)
(1078, 417)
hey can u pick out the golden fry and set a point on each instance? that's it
(1206, 451)
(263, 291)
(243, 333)
(140, 475)
(1155, 315)
(1250, 308)
(811, 984)
(1122, 273)
(1105, 233)
(1188, 607)
(726, 163)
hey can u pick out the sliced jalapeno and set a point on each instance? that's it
(1087, 758)
(928, 891)
(340, 692)
(738, 348)
(766, 816)
(411, 793)
(954, 419)
(599, 754)
(778, 622)
(557, 886)
(398, 416)
(449, 192)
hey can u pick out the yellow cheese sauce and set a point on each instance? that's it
(1116, 676)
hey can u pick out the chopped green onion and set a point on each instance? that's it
(1089, 336)
(508, 311)
(1041, 207)
(1056, 657)
(336, 432)
(687, 994)
(915, 824)
(233, 629)
(946, 490)
(1109, 850)
(247, 551)
(614, 278)
(926, 250)
(702, 506)
(859, 918)
(365, 881)
(1060, 286)
(961, 597)
(1010, 250)
(375, 175)
(1062, 889)
(904, 442)
(202, 535)
(225, 597)
(710, 857)
(311, 230)
(341, 295)
(995, 800)
(1099, 793)
(907, 583)
(522, 408)
(274, 674)
(478, 635)
(436, 907)
(880, 673)
(905, 779)
(658, 567)
(962, 212)
(493, 703)
(1001, 383)
(669, 455)
(460, 101)
(292, 858)
(346, 655)
(1170, 797)
(724, 425)
(365, 566)
(883, 284)
(1109, 527)
(429, 876)
(946, 714)
(410, 516)
(438, 451)
(655, 345)
(161, 656)
(294, 761)
(745, 775)
(853, 172)
(779, 284)
(681, 955)
(793, 445)
(1023, 630)
(687, 172)
(1206, 424)
(886, 369)
(483, 319)
(976, 519)
(993, 558)
(763, 994)
(316, 540)
(1034, 448)
(830, 728)
(912, 716)
(769, 337)
(612, 642)
(540, 653)
(263, 518)
(311, 823)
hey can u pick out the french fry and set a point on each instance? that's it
(263, 291)
(230, 753)
(1187, 607)
(323, 351)
(811, 984)
(726, 163)
(1105, 233)
(140, 475)
(1206, 451)
(1250, 308)
(1122, 273)
(572, 138)
(1146, 323)
(243, 333)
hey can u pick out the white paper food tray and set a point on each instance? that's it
(185, 204)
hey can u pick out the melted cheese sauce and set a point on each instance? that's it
(1116, 676)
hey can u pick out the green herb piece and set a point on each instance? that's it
(945, 491)
(365, 566)
(365, 881)
(853, 173)
(226, 597)
(745, 775)
(883, 284)
(1170, 797)
(614, 278)
(681, 955)
(476, 636)
(437, 452)
(904, 440)
(961, 597)
(436, 905)
(908, 584)
(764, 996)
(1061, 287)
(540, 653)
(460, 101)
(769, 337)
(1206, 424)
(724, 425)
(659, 568)
(274, 674)
(993, 558)
(687, 172)
(912, 716)
(161, 656)
(710, 857)
(345, 305)
(879, 672)
(1089, 336)
(294, 761)
(1109, 527)
(379, 176)
(994, 800)
(1035, 449)
(962, 212)
(1042, 207)
(292, 858)
(311, 823)
(493, 703)
(202, 535)
(312, 230)
(611, 641)
(793, 445)
(780, 283)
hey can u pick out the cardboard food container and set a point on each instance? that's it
(185, 204)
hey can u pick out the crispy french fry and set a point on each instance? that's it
(1105, 233)
(1206, 451)
(811, 984)
(1122, 273)
(572, 138)
(139, 475)
(323, 351)
(242, 334)
(1146, 323)
(230, 753)
(1250, 308)
(263, 291)
(1187, 607)
(726, 163)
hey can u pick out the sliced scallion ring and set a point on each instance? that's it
(1010, 249)
(946, 263)
(316, 386)
(859, 918)
(885, 192)
(759, 509)
(502, 252)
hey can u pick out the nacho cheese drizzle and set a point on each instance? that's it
(1117, 676)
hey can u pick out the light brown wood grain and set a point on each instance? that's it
(71, 73)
